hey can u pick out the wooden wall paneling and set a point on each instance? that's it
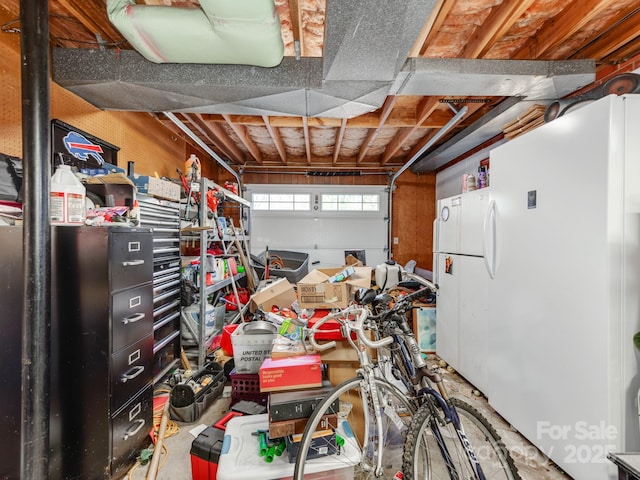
(301, 179)
(11, 98)
(413, 215)
(141, 138)
(155, 149)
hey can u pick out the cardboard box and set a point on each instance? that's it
(323, 443)
(156, 187)
(315, 290)
(285, 428)
(280, 293)
(291, 373)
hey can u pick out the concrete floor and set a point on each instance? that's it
(531, 463)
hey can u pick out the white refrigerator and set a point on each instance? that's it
(460, 272)
(564, 298)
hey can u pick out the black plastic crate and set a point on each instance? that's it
(296, 264)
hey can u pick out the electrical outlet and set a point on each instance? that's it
(395, 240)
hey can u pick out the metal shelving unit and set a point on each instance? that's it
(208, 232)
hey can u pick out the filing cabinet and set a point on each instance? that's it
(103, 339)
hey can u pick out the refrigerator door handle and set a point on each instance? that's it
(436, 248)
(489, 241)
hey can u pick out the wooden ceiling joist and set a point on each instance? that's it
(214, 135)
(296, 26)
(243, 135)
(307, 145)
(385, 111)
(424, 109)
(570, 20)
(277, 139)
(609, 42)
(497, 24)
(338, 142)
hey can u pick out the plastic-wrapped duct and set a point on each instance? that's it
(240, 32)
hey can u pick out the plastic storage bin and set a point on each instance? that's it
(296, 264)
(240, 460)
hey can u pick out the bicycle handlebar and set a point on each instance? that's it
(419, 279)
(352, 325)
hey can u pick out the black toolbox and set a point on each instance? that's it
(190, 398)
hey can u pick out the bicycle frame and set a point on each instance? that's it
(367, 367)
(451, 415)
(420, 377)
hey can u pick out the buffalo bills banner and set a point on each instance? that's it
(89, 154)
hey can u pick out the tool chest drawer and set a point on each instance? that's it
(163, 217)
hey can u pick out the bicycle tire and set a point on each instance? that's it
(359, 433)
(423, 458)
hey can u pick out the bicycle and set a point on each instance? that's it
(373, 415)
(447, 438)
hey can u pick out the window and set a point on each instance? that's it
(281, 201)
(350, 202)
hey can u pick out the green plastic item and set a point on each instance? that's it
(263, 444)
(238, 32)
(270, 454)
(280, 446)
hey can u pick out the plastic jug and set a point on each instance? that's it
(192, 170)
(387, 275)
(67, 198)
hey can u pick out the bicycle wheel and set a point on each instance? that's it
(434, 451)
(357, 426)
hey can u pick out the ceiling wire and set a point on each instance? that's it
(13, 26)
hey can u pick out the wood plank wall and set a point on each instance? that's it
(141, 138)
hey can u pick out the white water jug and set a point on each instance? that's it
(67, 198)
(387, 275)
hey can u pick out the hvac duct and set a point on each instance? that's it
(243, 32)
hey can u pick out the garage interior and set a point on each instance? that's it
(404, 96)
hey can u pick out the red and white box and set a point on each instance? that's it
(291, 373)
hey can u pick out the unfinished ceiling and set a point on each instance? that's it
(364, 84)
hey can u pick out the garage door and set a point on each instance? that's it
(323, 221)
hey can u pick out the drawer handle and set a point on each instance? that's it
(133, 373)
(133, 263)
(133, 429)
(133, 318)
